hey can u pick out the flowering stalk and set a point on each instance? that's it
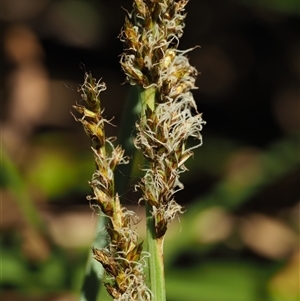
(169, 114)
(122, 259)
(169, 117)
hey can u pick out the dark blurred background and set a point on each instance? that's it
(239, 237)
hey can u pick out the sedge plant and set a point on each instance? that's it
(167, 119)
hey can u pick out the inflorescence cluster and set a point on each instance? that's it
(123, 258)
(169, 118)
(151, 59)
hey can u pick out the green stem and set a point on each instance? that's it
(154, 245)
(156, 273)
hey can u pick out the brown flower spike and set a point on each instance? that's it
(123, 258)
(151, 59)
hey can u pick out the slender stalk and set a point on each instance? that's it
(156, 273)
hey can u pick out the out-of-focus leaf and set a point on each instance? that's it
(13, 269)
(57, 172)
(14, 181)
(218, 281)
